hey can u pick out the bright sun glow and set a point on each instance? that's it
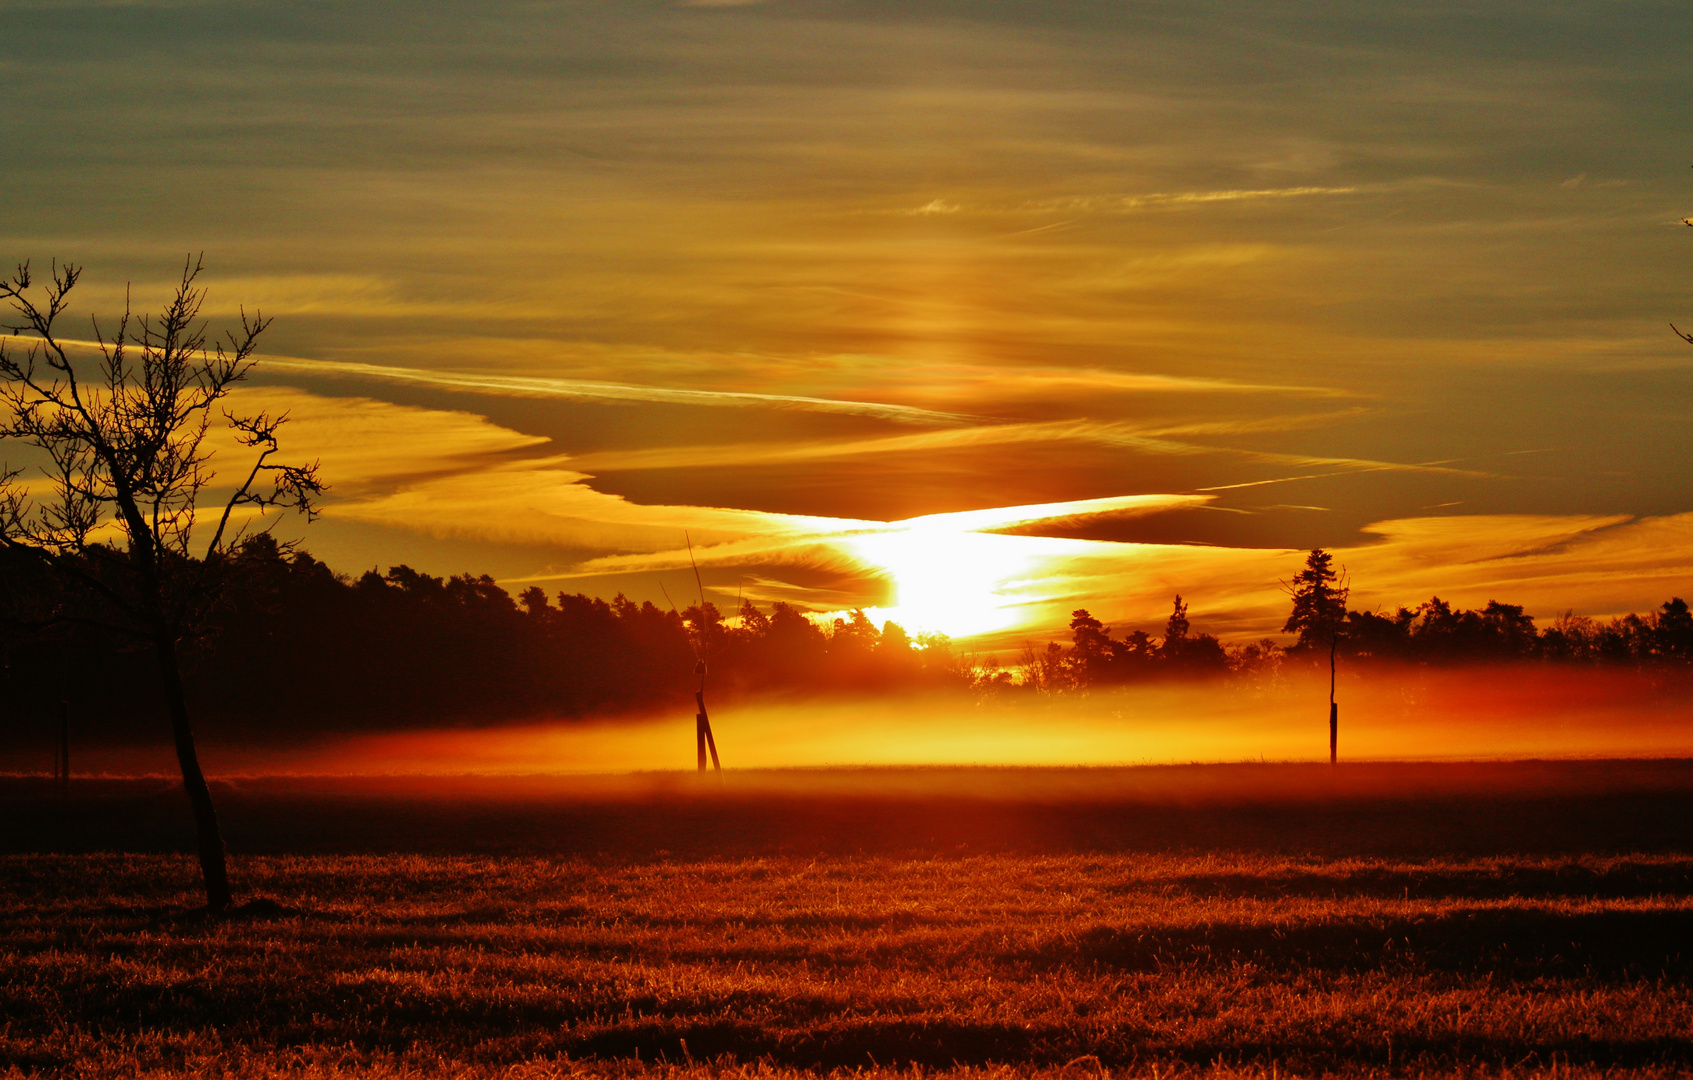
(949, 577)
(945, 580)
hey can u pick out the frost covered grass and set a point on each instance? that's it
(1062, 965)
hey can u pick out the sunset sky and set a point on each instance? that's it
(969, 313)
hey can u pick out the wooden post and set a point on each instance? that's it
(706, 741)
(699, 729)
(702, 723)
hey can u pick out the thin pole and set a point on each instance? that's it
(1334, 709)
(699, 731)
(702, 722)
(698, 584)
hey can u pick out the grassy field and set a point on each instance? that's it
(1042, 923)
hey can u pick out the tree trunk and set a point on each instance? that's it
(1334, 710)
(1334, 733)
(210, 837)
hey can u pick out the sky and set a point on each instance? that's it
(967, 313)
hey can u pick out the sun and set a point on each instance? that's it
(960, 582)
(952, 574)
(944, 580)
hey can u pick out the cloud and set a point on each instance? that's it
(1185, 198)
(981, 383)
(532, 386)
(937, 206)
(1150, 439)
(1065, 512)
(966, 521)
(543, 501)
(688, 457)
(364, 444)
(623, 203)
(944, 572)
(457, 474)
(1596, 565)
(1132, 202)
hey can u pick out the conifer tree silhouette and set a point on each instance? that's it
(1319, 612)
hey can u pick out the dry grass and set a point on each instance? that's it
(1065, 966)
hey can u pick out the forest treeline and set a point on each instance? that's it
(1432, 633)
(294, 647)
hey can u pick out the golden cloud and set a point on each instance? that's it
(362, 443)
(457, 474)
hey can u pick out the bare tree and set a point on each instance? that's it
(123, 433)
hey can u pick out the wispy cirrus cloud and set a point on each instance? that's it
(861, 386)
(1151, 439)
(583, 390)
(1188, 198)
(1120, 203)
(1001, 382)
(1123, 202)
(364, 444)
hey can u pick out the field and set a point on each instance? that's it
(1510, 919)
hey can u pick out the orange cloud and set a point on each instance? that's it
(457, 474)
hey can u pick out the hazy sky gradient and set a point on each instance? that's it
(555, 282)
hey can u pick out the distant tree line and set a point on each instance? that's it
(1095, 658)
(296, 649)
(1432, 633)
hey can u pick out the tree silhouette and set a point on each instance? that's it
(1091, 651)
(1175, 628)
(1319, 602)
(1674, 630)
(129, 460)
(1187, 653)
(1319, 612)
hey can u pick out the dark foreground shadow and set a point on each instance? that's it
(1389, 811)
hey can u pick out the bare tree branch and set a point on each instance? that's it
(127, 453)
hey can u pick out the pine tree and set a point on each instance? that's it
(1175, 630)
(1319, 602)
(1319, 611)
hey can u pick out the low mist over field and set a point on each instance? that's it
(1403, 715)
(1408, 714)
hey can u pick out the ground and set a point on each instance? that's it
(1255, 920)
